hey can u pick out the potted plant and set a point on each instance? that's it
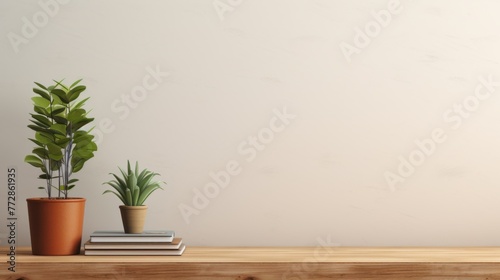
(63, 145)
(133, 188)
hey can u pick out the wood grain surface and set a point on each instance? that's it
(268, 263)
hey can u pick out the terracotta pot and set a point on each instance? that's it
(56, 225)
(133, 218)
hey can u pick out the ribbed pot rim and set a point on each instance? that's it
(134, 207)
(55, 200)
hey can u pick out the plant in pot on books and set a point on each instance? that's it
(62, 146)
(133, 187)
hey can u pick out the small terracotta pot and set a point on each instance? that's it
(133, 218)
(56, 225)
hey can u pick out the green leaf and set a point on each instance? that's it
(41, 111)
(38, 143)
(137, 170)
(76, 115)
(81, 123)
(119, 196)
(135, 195)
(58, 109)
(119, 188)
(72, 181)
(82, 139)
(42, 119)
(61, 94)
(140, 178)
(41, 86)
(75, 83)
(147, 192)
(129, 170)
(40, 102)
(39, 124)
(44, 176)
(43, 93)
(74, 93)
(147, 179)
(82, 154)
(85, 144)
(80, 104)
(62, 141)
(60, 120)
(44, 137)
(128, 197)
(131, 180)
(77, 165)
(55, 152)
(58, 129)
(59, 83)
(38, 128)
(33, 160)
(120, 181)
(55, 165)
(57, 102)
(41, 153)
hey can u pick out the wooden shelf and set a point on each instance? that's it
(268, 263)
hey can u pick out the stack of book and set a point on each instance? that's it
(148, 243)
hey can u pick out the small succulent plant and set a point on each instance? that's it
(133, 187)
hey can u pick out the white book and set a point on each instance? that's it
(120, 236)
(174, 245)
(136, 252)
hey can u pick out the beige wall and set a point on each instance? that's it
(274, 122)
